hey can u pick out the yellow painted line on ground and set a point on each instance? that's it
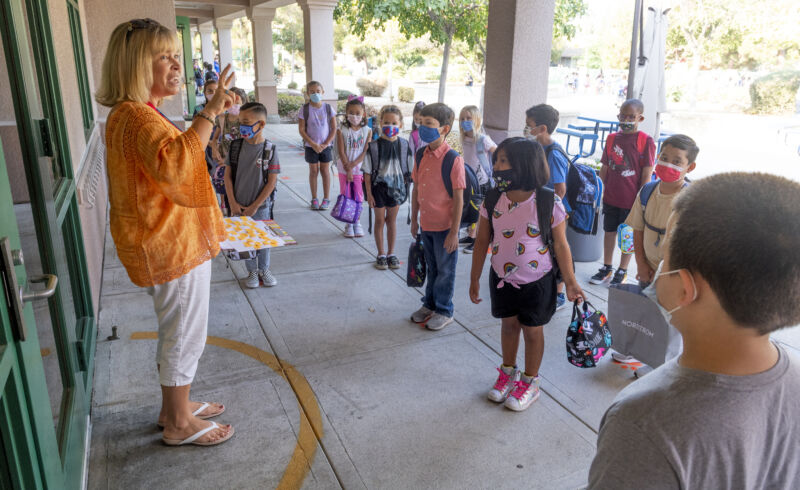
(310, 418)
(45, 352)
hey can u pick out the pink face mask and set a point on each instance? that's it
(668, 172)
(354, 119)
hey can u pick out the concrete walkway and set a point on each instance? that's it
(328, 383)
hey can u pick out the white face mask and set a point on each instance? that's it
(650, 292)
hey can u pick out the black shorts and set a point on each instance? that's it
(534, 304)
(380, 192)
(613, 217)
(314, 157)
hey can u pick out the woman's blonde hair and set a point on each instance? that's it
(128, 65)
(476, 120)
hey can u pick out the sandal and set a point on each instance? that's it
(197, 413)
(197, 435)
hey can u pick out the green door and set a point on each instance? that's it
(47, 329)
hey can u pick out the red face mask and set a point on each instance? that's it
(668, 172)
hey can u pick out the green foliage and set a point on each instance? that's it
(775, 93)
(288, 28)
(371, 88)
(342, 94)
(251, 96)
(405, 94)
(409, 59)
(292, 85)
(289, 104)
(566, 11)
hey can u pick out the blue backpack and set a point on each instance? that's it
(644, 197)
(472, 193)
(585, 198)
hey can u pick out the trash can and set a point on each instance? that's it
(585, 248)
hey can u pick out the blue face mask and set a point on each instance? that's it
(315, 98)
(390, 131)
(466, 126)
(428, 134)
(248, 132)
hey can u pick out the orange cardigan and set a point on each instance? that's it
(165, 220)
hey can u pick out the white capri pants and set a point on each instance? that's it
(182, 309)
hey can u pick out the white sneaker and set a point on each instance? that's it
(504, 384)
(523, 395)
(348, 231)
(438, 321)
(268, 279)
(623, 358)
(358, 230)
(252, 281)
(421, 315)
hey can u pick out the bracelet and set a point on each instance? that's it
(206, 117)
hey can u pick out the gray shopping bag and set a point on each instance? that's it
(638, 328)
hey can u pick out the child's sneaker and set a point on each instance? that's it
(394, 262)
(325, 205)
(466, 240)
(505, 382)
(622, 358)
(603, 275)
(526, 392)
(619, 277)
(358, 231)
(381, 263)
(268, 279)
(348, 231)
(253, 280)
(421, 315)
(561, 301)
(438, 321)
(469, 248)
(314, 205)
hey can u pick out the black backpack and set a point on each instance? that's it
(545, 200)
(473, 197)
(266, 156)
(376, 163)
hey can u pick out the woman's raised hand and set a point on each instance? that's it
(223, 98)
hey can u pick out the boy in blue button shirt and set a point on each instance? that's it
(540, 122)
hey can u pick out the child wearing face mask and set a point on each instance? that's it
(227, 128)
(477, 149)
(250, 181)
(386, 179)
(317, 127)
(353, 137)
(414, 142)
(525, 252)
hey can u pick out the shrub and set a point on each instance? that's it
(405, 94)
(371, 88)
(292, 86)
(775, 92)
(288, 104)
(343, 94)
(251, 96)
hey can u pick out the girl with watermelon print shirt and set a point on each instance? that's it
(522, 277)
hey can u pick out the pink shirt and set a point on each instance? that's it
(435, 204)
(519, 256)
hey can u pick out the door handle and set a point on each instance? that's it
(49, 289)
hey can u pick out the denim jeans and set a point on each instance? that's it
(441, 276)
(261, 262)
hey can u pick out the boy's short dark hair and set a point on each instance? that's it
(685, 143)
(635, 103)
(544, 114)
(440, 112)
(256, 108)
(527, 160)
(312, 83)
(741, 232)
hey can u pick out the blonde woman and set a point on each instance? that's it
(477, 149)
(165, 221)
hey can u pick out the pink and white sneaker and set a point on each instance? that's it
(504, 384)
(526, 392)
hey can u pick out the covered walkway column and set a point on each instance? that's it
(518, 46)
(318, 29)
(207, 46)
(265, 87)
(224, 42)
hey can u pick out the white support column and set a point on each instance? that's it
(318, 28)
(206, 44)
(224, 41)
(518, 46)
(265, 87)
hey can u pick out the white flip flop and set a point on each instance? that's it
(194, 437)
(197, 413)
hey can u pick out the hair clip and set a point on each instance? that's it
(359, 98)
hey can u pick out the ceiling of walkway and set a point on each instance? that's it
(207, 11)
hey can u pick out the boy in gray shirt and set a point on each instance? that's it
(726, 413)
(250, 182)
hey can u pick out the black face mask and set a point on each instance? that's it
(504, 180)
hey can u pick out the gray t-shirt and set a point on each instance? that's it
(250, 171)
(690, 429)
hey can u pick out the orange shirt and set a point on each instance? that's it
(165, 220)
(435, 204)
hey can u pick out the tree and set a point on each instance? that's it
(289, 33)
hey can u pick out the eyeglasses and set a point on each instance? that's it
(137, 24)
